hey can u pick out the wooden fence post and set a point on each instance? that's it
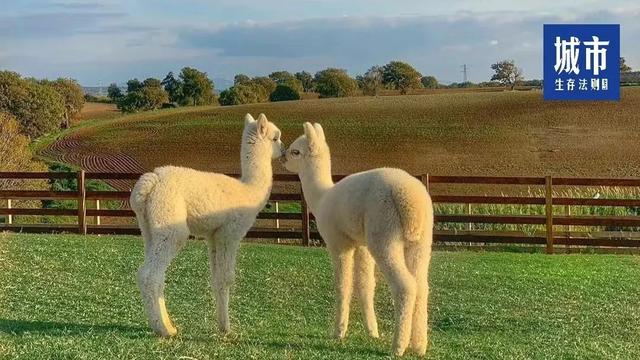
(425, 180)
(306, 231)
(82, 210)
(9, 217)
(549, 213)
(469, 213)
(277, 221)
(568, 229)
(97, 208)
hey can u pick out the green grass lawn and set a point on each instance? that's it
(70, 296)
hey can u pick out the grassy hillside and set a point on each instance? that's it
(74, 297)
(452, 133)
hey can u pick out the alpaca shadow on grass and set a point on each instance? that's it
(319, 342)
(329, 345)
(53, 328)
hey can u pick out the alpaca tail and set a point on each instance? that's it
(414, 209)
(144, 186)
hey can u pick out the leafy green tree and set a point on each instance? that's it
(286, 78)
(197, 88)
(429, 82)
(14, 147)
(266, 83)
(281, 77)
(623, 65)
(37, 106)
(154, 97)
(154, 94)
(114, 93)
(371, 82)
(256, 90)
(238, 94)
(241, 79)
(73, 96)
(306, 79)
(507, 73)
(149, 96)
(261, 93)
(334, 82)
(227, 97)
(133, 101)
(284, 93)
(401, 76)
(133, 85)
(173, 87)
(152, 82)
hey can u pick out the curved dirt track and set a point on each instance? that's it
(73, 150)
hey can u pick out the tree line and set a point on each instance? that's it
(40, 106)
(191, 87)
(30, 108)
(330, 82)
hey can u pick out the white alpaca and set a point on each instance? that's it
(172, 202)
(384, 215)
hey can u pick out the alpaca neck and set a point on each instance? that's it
(315, 177)
(257, 173)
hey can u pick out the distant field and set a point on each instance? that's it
(445, 133)
(74, 297)
(99, 110)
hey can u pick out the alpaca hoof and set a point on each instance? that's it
(421, 351)
(340, 335)
(224, 329)
(419, 347)
(168, 332)
(398, 351)
(374, 334)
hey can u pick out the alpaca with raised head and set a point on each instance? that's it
(381, 216)
(173, 202)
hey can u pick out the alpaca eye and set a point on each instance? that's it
(295, 152)
(275, 139)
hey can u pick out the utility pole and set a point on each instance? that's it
(464, 73)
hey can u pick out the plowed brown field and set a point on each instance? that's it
(472, 133)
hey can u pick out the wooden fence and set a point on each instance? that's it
(304, 232)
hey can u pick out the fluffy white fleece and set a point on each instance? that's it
(382, 216)
(172, 202)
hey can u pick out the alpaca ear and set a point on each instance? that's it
(262, 126)
(319, 131)
(310, 133)
(248, 119)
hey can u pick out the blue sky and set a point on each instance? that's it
(98, 42)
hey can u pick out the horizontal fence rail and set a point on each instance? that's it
(300, 226)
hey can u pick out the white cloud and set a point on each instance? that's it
(111, 43)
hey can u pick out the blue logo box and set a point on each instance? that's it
(581, 62)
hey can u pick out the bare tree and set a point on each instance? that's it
(507, 73)
(623, 65)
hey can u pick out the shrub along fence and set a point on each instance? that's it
(551, 222)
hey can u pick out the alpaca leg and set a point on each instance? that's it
(389, 255)
(226, 249)
(144, 231)
(418, 259)
(343, 266)
(365, 281)
(159, 253)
